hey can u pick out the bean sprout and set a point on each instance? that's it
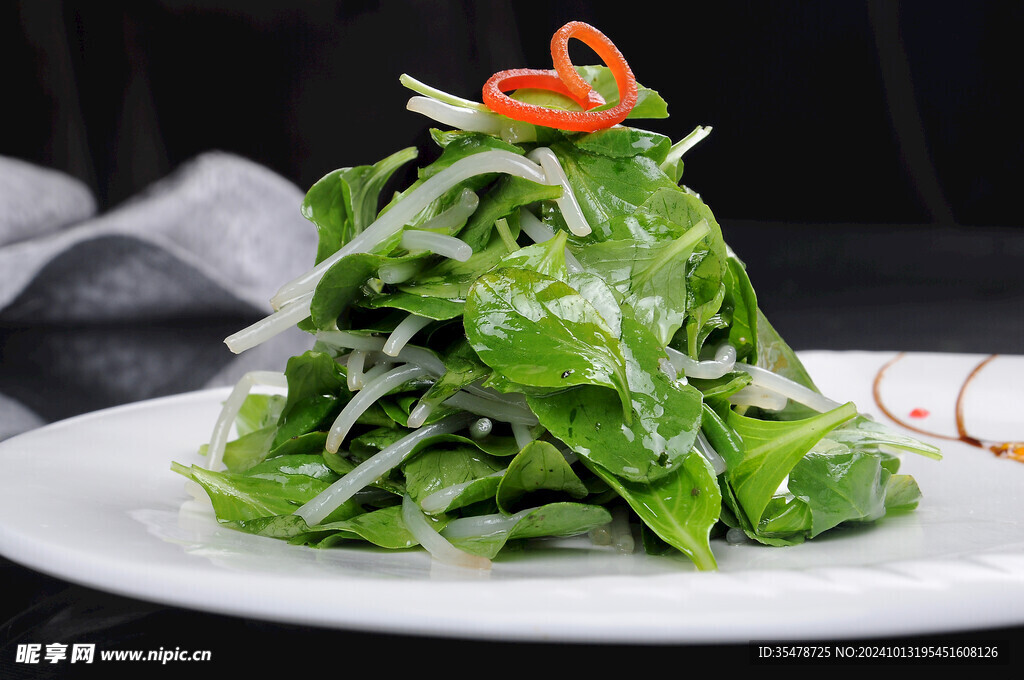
(269, 326)
(354, 367)
(788, 389)
(404, 211)
(436, 544)
(540, 232)
(440, 244)
(705, 449)
(372, 390)
(410, 326)
(229, 411)
(724, 362)
(373, 468)
(567, 203)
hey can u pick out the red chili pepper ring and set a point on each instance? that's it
(566, 81)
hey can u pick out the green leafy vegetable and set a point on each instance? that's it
(593, 344)
(667, 415)
(534, 330)
(344, 202)
(680, 508)
(538, 468)
(770, 450)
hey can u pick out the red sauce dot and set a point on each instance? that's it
(919, 413)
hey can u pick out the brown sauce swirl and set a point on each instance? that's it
(1011, 450)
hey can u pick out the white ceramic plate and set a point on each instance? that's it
(92, 500)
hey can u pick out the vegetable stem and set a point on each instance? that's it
(327, 501)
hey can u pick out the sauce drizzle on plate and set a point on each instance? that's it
(1012, 450)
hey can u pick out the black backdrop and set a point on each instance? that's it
(865, 161)
(866, 154)
(832, 112)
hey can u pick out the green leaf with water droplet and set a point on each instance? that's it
(666, 414)
(537, 331)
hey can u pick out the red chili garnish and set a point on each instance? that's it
(539, 79)
(920, 413)
(565, 80)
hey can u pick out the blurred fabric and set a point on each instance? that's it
(98, 309)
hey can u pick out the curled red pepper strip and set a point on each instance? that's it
(565, 80)
(538, 79)
(609, 54)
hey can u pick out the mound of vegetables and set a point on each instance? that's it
(544, 335)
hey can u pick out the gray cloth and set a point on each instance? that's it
(133, 303)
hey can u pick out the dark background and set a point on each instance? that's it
(865, 162)
(833, 112)
(857, 145)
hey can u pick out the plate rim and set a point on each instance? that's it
(987, 576)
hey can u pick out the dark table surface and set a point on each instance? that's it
(871, 287)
